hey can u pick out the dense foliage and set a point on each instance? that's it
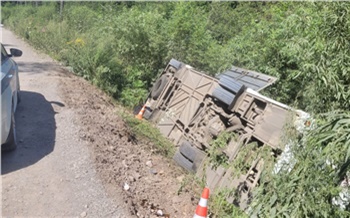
(122, 46)
(315, 183)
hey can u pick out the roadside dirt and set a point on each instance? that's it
(154, 181)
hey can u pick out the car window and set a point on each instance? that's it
(4, 54)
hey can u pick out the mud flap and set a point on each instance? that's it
(147, 114)
(175, 63)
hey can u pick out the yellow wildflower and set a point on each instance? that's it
(79, 41)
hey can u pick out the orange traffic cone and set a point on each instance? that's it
(202, 209)
(140, 114)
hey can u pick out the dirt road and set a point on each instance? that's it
(51, 172)
(75, 154)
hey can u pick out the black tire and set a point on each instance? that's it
(18, 97)
(223, 95)
(11, 142)
(137, 109)
(159, 86)
(188, 151)
(183, 162)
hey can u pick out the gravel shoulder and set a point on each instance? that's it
(76, 154)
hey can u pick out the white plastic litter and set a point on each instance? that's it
(126, 187)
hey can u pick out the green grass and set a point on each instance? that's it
(147, 133)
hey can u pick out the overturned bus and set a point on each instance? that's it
(192, 109)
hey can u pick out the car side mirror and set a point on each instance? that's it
(15, 52)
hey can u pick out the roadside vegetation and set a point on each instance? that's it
(144, 131)
(122, 46)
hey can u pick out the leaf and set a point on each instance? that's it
(273, 200)
(257, 210)
(273, 212)
(347, 145)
